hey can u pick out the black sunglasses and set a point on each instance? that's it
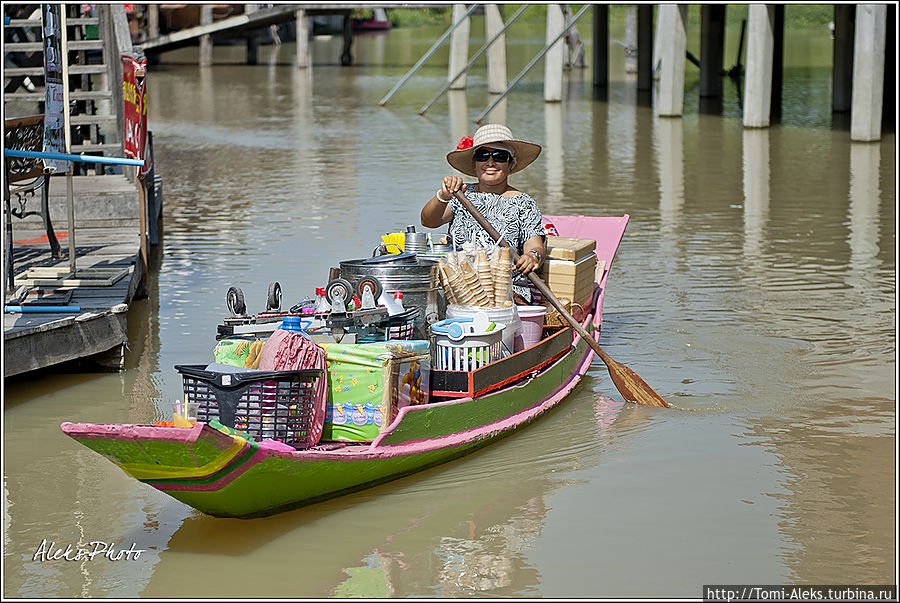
(499, 155)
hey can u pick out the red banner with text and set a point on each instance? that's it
(134, 93)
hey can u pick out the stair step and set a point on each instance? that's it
(70, 21)
(39, 46)
(76, 95)
(89, 120)
(114, 149)
(39, 70)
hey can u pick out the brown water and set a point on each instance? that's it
(754, 289)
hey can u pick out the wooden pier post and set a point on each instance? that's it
(868, 72)
(496, 54)
(758, 81)
(672, 33)
(601, 46)
(459, 47)
(777, 60)
(842, 62)
(555, 57)
(206, 44)
(252, 38)
(302, 21)
(712, 49)
(645, 47)
(152, 21)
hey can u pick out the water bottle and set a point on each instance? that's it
(322, 304)
(393, 304)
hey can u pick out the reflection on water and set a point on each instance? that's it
(754, 288)
(756, 191)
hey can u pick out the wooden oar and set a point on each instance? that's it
(629, 384)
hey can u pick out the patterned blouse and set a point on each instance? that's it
(516, 218)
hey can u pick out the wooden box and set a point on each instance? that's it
(571, 280)
(569, 248)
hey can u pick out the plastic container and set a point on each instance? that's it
(278, 405)
(532, 318)
(507, 316)
(459, 344)
(294, 323)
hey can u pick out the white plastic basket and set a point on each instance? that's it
(464, 344)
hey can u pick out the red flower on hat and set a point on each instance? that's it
(465, 142)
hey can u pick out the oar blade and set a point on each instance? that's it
(632, 387)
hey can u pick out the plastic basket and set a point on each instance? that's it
(456, 346)
(276, 405)
(398, 326)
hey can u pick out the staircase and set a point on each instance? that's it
(94, 73)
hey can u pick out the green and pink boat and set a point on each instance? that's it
(225, 475)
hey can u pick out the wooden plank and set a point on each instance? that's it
(73, 70)
(73, 45)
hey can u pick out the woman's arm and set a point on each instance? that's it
(533, 256)
(437, 211)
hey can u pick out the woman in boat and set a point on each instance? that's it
(491, 156)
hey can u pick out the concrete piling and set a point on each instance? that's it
(555, 58)
(758, 81)
(672, 44)
(302, 22)
(868, 72)
(459, 47)
(496, 54)
(206, 44)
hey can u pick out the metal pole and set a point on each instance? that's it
(533, 62)
(426, 56)
(471, 62)
(67, 134)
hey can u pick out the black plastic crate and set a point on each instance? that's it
(277, 405)
(399, 326)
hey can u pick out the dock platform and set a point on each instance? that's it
(107, 243)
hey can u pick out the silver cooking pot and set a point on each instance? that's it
(416, 277)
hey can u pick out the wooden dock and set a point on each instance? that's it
(108, 275)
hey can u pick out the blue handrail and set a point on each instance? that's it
(69, 157)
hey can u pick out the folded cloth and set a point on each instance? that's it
(291, 351)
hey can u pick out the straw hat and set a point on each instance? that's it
(461, 158)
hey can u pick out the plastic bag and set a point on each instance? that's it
(483, 281)
(238, 352)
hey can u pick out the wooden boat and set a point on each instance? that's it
(227, 476)
(377, 22)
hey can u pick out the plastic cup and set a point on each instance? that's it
(193, 408)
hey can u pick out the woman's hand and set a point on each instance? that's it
(527, 262)
(449, 185)
(437, 211)
(532, 257)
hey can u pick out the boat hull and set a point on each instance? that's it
(226, 476)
